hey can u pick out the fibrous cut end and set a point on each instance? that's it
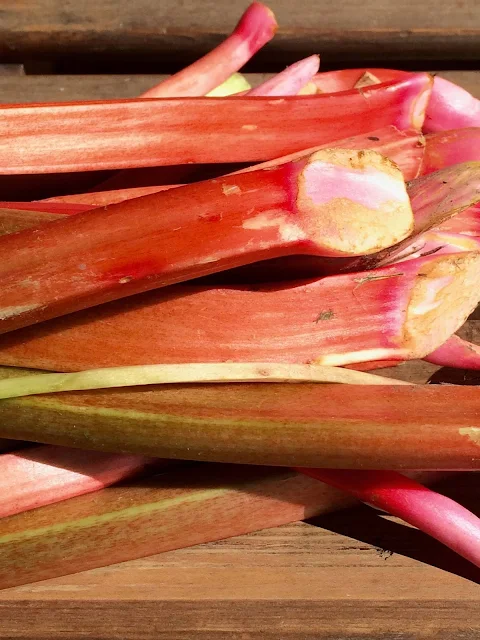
(353, 202)
(443, 296)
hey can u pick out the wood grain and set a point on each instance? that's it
(62, 88)
(150, 30)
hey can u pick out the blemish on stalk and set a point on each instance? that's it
(125, 280)
(373, 138)
(279, 101)
(364, 279)
(231, 189)
(472, 433)
(325, 315)
(11, 312)
(249, 127)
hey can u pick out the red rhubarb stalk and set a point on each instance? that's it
(374, 315)
(434, 514)
(43, 475)
(134, 133)
(298, 207)
(405, 148)
(256, 27)
(290, 81)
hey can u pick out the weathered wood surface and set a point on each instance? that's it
(165, 33)
(354, 575)
(59, 88)
(347, 576)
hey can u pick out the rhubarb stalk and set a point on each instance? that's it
(334, 202)
(309, 425)
(219, 372)
(172, 511)
(405, 148)
(399, 312)
(290, 81)
(457, 353)
(451, 107)
(43, 475)
(256, 27)
(451, 147)
(84, 136)
(434, 514)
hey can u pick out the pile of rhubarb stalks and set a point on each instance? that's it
(219, 292)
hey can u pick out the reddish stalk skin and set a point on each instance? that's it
(12, 220)
(405, 148)
(457, 353)
(38, 476)
(256, 27)
(65, 137)
(451, 107)
(65, 208)
(466, 223)
(290, 81)
(105, 254)
(434, 514)
(103, 198)
(375, 315)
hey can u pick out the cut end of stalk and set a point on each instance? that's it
(444, 295)
(353, 201)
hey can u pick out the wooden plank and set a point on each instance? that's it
(60, 88)
(411, 31)
(351, 575)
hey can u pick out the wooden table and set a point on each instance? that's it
(347, 576)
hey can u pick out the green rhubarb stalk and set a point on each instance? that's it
(205, 372)
(309, 425)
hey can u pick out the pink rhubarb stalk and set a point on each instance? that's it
(451, 107)
(42, 475)
(290, 81)
(434, 514)
(256, 27)
(457, 353)
(119, 134)
(112, 252)
(400, 312)
(451, 147)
